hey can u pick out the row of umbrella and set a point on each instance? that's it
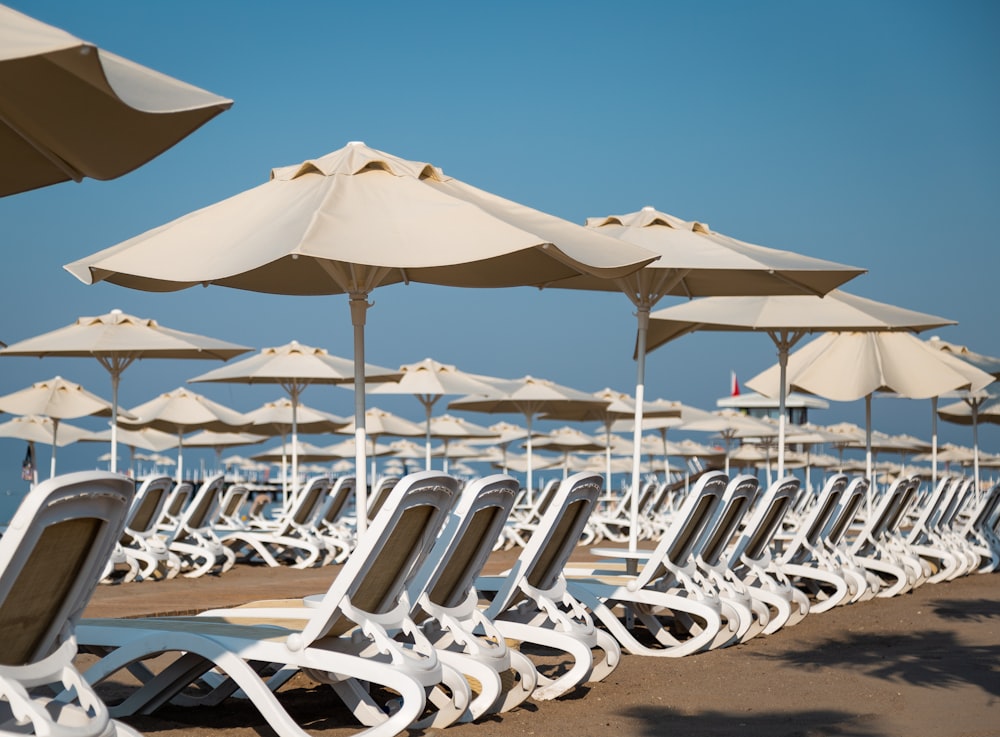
(359, 218)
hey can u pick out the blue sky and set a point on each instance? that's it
(859, 132)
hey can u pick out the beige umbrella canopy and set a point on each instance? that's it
(989, 364)
(116, 340)
(379, 422)
(976, 407)
(428, 381)
(505, 433)
(57, 399)
(181, 411)
(218, 441)
(696, 261)
(786, 319)
(567, 439)
(39, 429)
(729, 425)
(449, 427)
(848, 366)
(531, 397)
(146, 438)
(294, 367)
(619, 406)
(354, 220)
(70, 110)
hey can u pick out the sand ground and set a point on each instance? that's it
(926, 664)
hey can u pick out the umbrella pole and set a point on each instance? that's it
(607, 458)
(428, 408)
(868, 450)
(55, 431)
(934, 442)
(784, 341)
(180, 455)
(294, 391)
(642, 318)
(527, 421)
(975, 446)
(359, 309)
(114, 421)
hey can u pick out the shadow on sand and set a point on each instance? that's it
(932, 659)
(820, 723)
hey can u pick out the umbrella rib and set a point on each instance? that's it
(57, 161)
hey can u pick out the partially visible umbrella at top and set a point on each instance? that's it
(116, 340)
(70, 110)
(349, 222)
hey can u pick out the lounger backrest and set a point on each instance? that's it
(758, 533)
(340, 494)
(52, 555)
(736, 502)
(690, 521)
(847, 511)
(542, 560)
(375, 576)
(880, 518)
(308, 504)
(930, 509)
(200, 513)
(984, 511)
(148, 505)
(902, 506)
(232, 500)
(178, 500)
(382, 489)
(465, 543)
(817, 518)
(957, 501)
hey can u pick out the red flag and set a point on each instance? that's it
(734, 390)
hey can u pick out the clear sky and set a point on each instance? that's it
(861, 132)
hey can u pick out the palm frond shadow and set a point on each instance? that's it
(934, 659)
(964, 610)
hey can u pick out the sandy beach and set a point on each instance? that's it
(925, 664)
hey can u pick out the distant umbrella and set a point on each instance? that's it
(116, 340)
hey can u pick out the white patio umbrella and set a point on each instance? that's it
(116, 340)
(505, 433)
(696, 261)
(848, 366)
(181, 411)
(729, 425)
(428, 381)
(530, 397)
(567, 440)
(619, 406)
(70, 110)
(219, 441)
(449, 427)
(38, 429)
(974, 408)
(352, 221)
(786, 319)
(147, 438)
(294, 366)
(281, 416)
(58, 400)
(379, 423)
